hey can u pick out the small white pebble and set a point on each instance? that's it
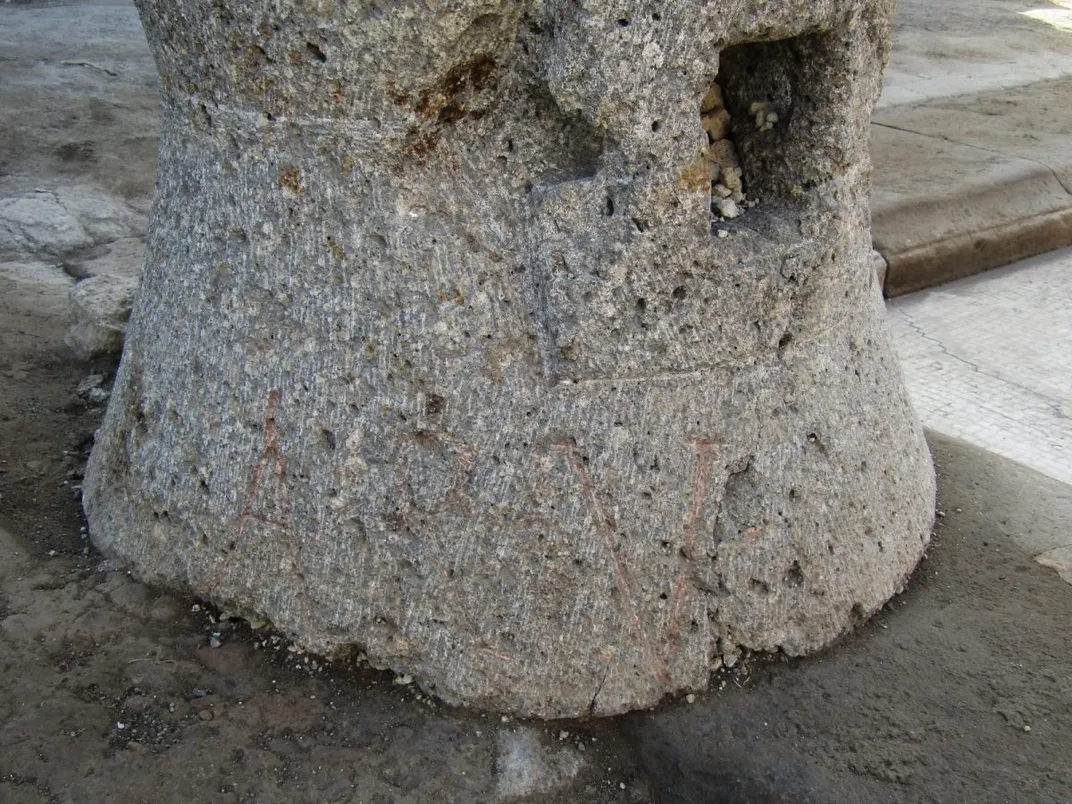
(403, 680)
(1027, 728)
(562, 735)
(727, 208)
(723, 233)
(690, 698)
(621, 785)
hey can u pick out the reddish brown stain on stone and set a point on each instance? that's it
(398, 98)
(446, 100)
(291, 180)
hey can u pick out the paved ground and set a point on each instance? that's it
(989, 359)
(944, 48)
(973, 169)
(973, 162)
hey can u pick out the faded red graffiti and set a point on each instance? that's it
(273, 464)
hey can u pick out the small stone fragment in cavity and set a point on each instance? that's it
(717, 125)
(727, 208)
(764, 115)
(712, 100)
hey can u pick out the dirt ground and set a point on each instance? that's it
(959, 690)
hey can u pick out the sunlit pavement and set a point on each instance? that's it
(988, 359)
(943, 48)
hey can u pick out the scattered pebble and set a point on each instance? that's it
(723, 233)
(403, 680)
(690, 698)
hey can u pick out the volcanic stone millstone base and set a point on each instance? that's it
(437, 355)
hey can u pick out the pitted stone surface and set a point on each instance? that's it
(440, 351)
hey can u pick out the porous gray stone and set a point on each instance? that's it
(437, 355)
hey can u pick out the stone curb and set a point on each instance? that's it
(964, 185)
(971, 253)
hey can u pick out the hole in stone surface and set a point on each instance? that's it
(610, 206)
(794, 576)
(785, 105)
(434, 404)
(315, 53)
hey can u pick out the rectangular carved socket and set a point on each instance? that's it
(782, 117)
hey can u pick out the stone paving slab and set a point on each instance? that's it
(1030, 122)
(966, 184)
(988, 359)
(947, 48)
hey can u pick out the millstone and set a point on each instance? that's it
(531, 348)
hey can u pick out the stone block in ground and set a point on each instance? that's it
(100, 309)
(529, 763)
(123, 257)
(440, 359)
(1058, 559)
(63, 221)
